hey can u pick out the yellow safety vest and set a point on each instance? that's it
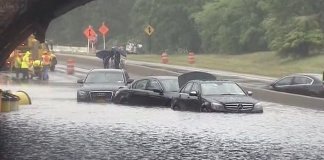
(18, 62)
(37, 63)
(25, 61)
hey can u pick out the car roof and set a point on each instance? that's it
(163, 77)
(312, 75)
(107, 70)
(216, 81)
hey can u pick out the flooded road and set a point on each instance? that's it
(57, 127)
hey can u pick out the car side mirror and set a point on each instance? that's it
(158, 91)
(130, 81)
(80, 81)
(250, 93)
(193, 93)
(273, 85)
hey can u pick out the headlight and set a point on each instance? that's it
(217, 106)
(258, 105)
(82, 93)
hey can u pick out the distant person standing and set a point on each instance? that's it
(46, 62)
(116, 55)
(51, 44)
(25, 65)
(53, 61)
(18, 61)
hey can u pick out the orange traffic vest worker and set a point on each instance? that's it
(46, 59)
(46, 65)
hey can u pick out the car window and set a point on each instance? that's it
(141, 84)
(105, 77)
(221, 88)
(195, 87)
(153, 84)
(187, 88)
(284, 81)
(302, 80)
(170, 85)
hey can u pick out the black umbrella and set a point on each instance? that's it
(103, 54)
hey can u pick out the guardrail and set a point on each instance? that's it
(70, 49)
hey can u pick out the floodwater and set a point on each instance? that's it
(55, 126)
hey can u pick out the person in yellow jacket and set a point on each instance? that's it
(37, 65)
(25, 64)
(18, 61)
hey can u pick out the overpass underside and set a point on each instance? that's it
(20, 18)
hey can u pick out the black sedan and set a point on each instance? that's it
(149, 91)
(215, 96)
(101, 84)
(304, 84)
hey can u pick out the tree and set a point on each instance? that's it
(231, 26)
(174, 26)
(294, 27)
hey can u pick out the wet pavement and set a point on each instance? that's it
(55, 126)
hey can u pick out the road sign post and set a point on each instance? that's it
(149, 31)
(90, 34)
(104, 30)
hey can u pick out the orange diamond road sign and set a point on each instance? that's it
(103, 29)
(89, 32)
(149, 30)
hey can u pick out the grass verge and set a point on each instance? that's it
(259, 63)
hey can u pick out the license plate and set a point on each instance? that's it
(101, 94)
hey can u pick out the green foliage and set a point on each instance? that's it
(290, 27)
(231, 26)
(294, 27)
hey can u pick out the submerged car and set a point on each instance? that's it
(303, 84)
(215, 96)
(101, 84)
(149, 91)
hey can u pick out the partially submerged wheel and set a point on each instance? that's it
(176, 108)
(123, 100)
(204, 109)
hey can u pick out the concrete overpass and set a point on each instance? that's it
(20, 18)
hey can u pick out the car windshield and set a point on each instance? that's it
(221, 88)
(105, 77)
(170, 85)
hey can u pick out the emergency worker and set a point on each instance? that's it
(31, 68)
(46, 62)
(37, 65)
(53, 62)
(18, 61)
(25, 65)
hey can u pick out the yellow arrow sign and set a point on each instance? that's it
(149, 30)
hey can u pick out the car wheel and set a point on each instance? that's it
(123, 101)
(79, 99)
(176, 107)
(204, 109)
